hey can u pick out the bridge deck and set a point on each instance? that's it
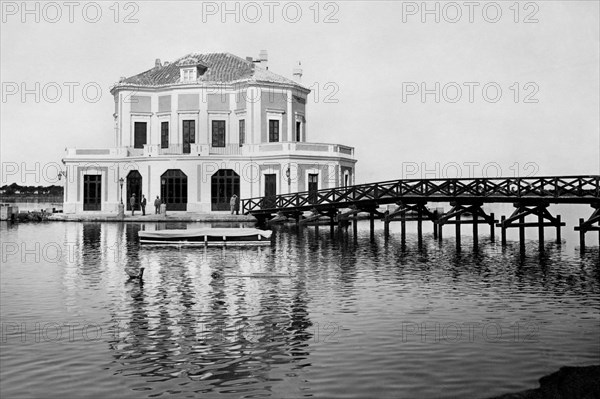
(551, 189)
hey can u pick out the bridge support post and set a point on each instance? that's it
(454, 216)
(403, 226)
(386, 224)
(581, 235)
(435, 230)
(341, 223)
(332, 224)
(522, 232)
(543, 219)
(372, 224)
(492, 230)
(355, 227)
(419, 213)
(457, 232)
(503, 230)
(419, 224)
(540, 229)
(475, 230)
(588, 225)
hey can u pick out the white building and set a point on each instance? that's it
(200, 129)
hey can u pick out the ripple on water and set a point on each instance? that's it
(351, 321)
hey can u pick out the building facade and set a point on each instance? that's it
(198, 130)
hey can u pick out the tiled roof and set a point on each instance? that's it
(220, 68)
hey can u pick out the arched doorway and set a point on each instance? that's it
(173, 190)
(134, 186)
(223, 185)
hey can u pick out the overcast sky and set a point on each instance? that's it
(367, 63)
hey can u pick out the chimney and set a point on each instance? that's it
(263, 57)
(157, 63)
(122, 78)
(297, 73)
(249, 59)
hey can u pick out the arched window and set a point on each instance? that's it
(134, 186)
(173, 190)
(224, 184)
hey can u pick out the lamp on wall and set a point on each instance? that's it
(62, 173)
(289, 181)
(121, 181)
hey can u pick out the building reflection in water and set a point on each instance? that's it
(181, 327)
(230, 334)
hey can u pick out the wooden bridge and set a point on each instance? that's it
(530, 196)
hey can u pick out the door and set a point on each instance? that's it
(223, 185)
(270, 191)
(139, 138)
(173, 190)
(134, 186)
(92, 192)
(313, 187)
(189, 134)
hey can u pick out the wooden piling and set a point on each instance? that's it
(457, 229)
(475, 229)
(355, 226)
(492, 229)
(419, 223)
(386, 225)
(522, 232)
(435, 218)
(581, 235)
(372, 224)
(540, 228)
(503, 230)
(332, 225)
(403, 225)
(558, 222)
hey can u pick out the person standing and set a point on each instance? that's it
(143, 204)
(132, 204)
(232, 202)
(157, 205)
(237, 205)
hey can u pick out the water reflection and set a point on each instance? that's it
(344, 306)
(228, 334)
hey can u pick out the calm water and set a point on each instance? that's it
(353, 320)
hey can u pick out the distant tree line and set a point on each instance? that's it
(14, 190)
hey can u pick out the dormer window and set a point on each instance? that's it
(188, 74)
(190, 69)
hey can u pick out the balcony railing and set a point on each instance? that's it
(229, 149)
(207, 150)
(174, 149)
(135, 152)
(301, 147)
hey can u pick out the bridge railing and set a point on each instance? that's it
(583, 189)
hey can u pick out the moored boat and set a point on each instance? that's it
(209, 237)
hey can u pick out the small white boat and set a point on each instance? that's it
(209, 237)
